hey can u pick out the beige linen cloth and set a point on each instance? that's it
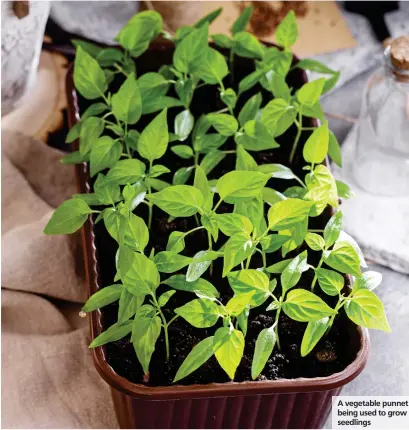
(48, 378)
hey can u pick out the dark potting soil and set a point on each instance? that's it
(332, 354)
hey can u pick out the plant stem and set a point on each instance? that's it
(314, 281)
(150, 206)
(120, 69)
(297, 138)
(339, 305)
(209, 238)
(315, 230)
(172, 319)
(165, 326)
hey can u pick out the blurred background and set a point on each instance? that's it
(36, 50)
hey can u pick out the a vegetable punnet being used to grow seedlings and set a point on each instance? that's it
(214, 213)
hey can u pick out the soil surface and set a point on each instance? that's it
(332, 354)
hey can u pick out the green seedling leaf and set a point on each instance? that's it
(304, 306)
(249, 81)
(103, 297)
(314, 66)
(345, 237)
(344, 258)
(128, 305)
(176, 242)
(198, 266)
(182, 175)
(333, 229)
(136, 233)
(252, 209)
(73, 158)
(105, 153)
(212, 67)
(153, 141)
(237, 249)
(222, 40)
(228, 347)
(310, 92)
(237, 304)
(313, 333)
(240, 184)
(184, 122)
(74, 133)
(68, 217)
(271, 197)
(145, 333)
(200, 313)
(242, 21)
(164, 298)
(343, 190)
(367, 310)
(211, 160)
(265, 343)
(315, 241)
(89, 78)
(287, 31)
(183, 151)
(158, 170)
(293, 271)
(250, 281)
(199, 354)
(115, 223)
(244, 161)
(113, 333)
(286, 213)
(127, 102)
(107, 193)
(152, 85)
(126, 172)
(278, 267)
(250, 109)
(202, 184)
(169, 262)
(91, 129)
(256, 137)
(273, 242)
(334, 150)
(277, 171)
(331, 282)
(209, 18)
(210, 224)
(179, 282)
(152, 105)
(247, 45)
(316, 147)
(243, 318)
(368, 281)
(225, 124)
(178, 200)
(89, 198)
(231, 224)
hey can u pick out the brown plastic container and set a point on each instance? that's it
(286, 403)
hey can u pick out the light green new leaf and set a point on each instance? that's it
(293, 271)
(244, 161)
(242, 21)
(199, 354)
(273, 242)
(184, 122)
(345, 237)
(105, 153)
(331, 282)
(228, 347)
(200, 313)
(368, 281)
(127, 102)
(211, 160)
(165, 297)
(113, 333)
(212, 67)
(183, 151)
(128, 305)
(231, 224)
(250, 109)
(222, 40)
(229, 97)
(287, 31)
(89, 78)
(103, 297)
(136, 233)
(145, 333)
(316, 147)
(241, 184)
(344, 258)
(310, 92)
(333, 229)
(256, 137)
(313, 333)
(265, 343)
(334, 150)
(344, 191)
(176, 242)
(277, 171)
(225, 124)
(91, 129)
(315, 241)
(108, 193)
(68, 217)
(304, 306)
(286, 213)
(247, 45)
(126, 172)
(178, 200)
(154, 138)
(367, 310)
(209, 18)
(179, 282)
(278, 267)
(250, 281)
(236, 249)
(236, 305)
(169, 262)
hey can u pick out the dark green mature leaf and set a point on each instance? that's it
(113, 333)
(68, 217)
(367, 310)
(228, 347)
(331, 282)
(225, 124)
(304, 306)
(211, 67)
(331, 82)
(103, 297)
(237, 249)
(153, 141)
(293, 271)
(241, 22)
(169, 262)
(316, 147)
(91, 129)
(179, 282)
(250, 109)
(126, 171)
(250, 280)
(242, 320)
(209, 142)
(178, 200)
(265, 343)
(344, 258)
(200, 313)
(145, 333)
(287, 31)
(199, 354)
(89, 47)
(313, 333)
(288, 212)
(240, 184)
(89, 78)
(247, 45)
(137, 272)
(105, 153)
(190, 50)
(333, 229)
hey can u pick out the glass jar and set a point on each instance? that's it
(381, 166)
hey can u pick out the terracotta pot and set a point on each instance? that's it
(285, 403)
